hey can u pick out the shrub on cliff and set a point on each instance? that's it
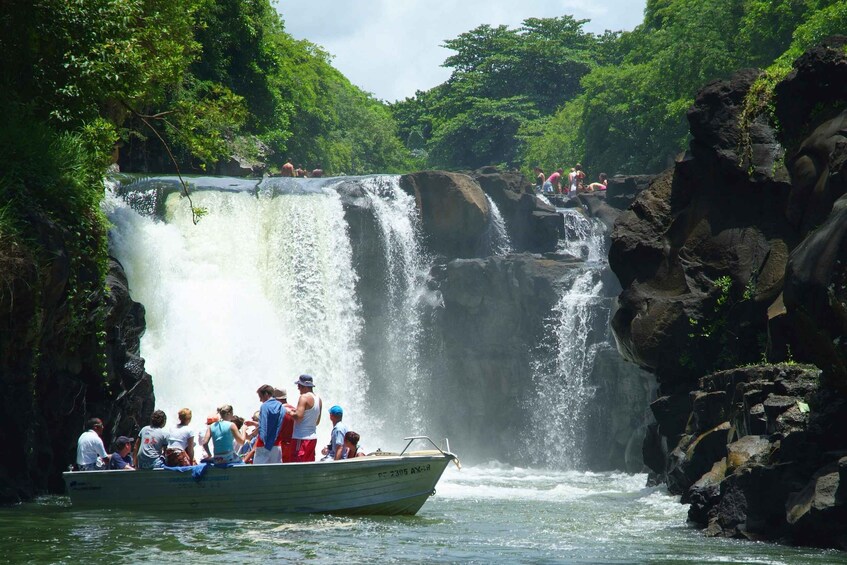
(52, 176)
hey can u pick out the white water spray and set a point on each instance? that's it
(499, 241)
(565, 359)
(260, 291)
(407, 267)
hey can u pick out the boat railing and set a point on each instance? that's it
(410, 439)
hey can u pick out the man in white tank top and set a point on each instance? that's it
(306, 416)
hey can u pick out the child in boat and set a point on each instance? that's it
(249, 448)
(351, 447)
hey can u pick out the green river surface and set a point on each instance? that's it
(482, 514)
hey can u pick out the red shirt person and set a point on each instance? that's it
(284, 439)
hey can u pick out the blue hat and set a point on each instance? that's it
(305, 380)
(336, 411)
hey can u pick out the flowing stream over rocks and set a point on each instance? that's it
(499, 241)
(564, 360)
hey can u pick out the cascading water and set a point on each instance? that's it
(395, 359)
(584, 237)
(499, 242)
(263, 289)
(271, 283)
(565, 358)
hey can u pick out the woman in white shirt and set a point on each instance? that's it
(180, 450)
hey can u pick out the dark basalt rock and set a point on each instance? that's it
(492, 317)
(818, 512)
(816, 292)
(533, 225)
(615, 427)
(64, 377)
(621, 190)
(454, 211)
(815, 89)
(732, 256)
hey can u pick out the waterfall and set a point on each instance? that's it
(330, 277)
(396, 364)
(229, 306)
(584, 237)
(564, 360)
(499, 242)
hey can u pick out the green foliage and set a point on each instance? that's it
(54, 175)
(830, 19)
(820, 24)
(80, 59)
(713, 334)
(502, 79)
(616, 102)
(549, 142)
(365, 139)
(484, 133)
(205, 121)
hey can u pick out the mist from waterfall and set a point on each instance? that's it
(263, 289)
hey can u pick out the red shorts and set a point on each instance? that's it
(304, 450)
(288, 453)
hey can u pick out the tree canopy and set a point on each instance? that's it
(215, 78)
(615, 102)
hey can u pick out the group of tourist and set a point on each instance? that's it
(277, 433)
(573, 184)
(288, 170)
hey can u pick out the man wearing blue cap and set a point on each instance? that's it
(336, 438)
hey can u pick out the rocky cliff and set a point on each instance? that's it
(733, 260)
(57, 370)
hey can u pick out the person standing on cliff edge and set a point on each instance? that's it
(287, 169)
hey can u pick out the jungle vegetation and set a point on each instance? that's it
(550, 94)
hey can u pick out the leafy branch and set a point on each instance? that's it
(196, 212)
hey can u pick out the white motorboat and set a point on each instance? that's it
(380, 483)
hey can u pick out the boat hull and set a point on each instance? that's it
(384, 485)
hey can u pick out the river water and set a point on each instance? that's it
(481, 514)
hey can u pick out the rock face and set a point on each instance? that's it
(733, 256)
(533, 225)
(493, 315)
(494, 328)
(454, 211)
(617, 417)
(52, 379)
